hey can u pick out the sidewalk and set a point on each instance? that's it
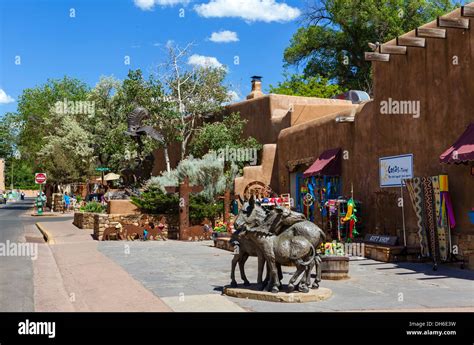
(72, 275)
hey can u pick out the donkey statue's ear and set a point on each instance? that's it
(252, 201)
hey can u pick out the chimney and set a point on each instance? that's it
(256, 87)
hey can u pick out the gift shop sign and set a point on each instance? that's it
(394, 169)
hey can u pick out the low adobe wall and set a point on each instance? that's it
(84, 220)
(103, 221)
(121, 207)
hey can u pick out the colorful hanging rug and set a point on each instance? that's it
(415, 192)
(428, 208)
(440, 226)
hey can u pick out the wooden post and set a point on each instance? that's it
(184, 190)
(226, 206)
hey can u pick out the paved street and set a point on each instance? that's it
(77, 273)
(197, 268)
(16, 278)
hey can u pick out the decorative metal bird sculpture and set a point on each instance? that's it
(135, 127)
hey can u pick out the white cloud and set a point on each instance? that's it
(224, 36)
(4, 98)
(204, 61)
(234, 96)
(147, 5)
(249, 10)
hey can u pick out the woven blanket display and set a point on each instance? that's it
(415, 192)
(433, 208)
(428, 207)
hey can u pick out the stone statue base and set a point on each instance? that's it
(252, 292)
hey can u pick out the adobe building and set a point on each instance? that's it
(423, 102)
(2, 174)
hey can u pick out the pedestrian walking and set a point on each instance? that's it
(67, 202)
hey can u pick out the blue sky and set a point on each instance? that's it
(50, 43)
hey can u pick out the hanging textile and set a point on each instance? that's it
(444, 245)
(414, 190)
(428, 207)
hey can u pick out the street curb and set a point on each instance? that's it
(46, 234)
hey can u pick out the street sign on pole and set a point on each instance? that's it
(102, 170)
(40, 178)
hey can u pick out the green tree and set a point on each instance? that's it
(149, 94)
(67, 154)
(50, 139)
(7, 135)
(108, 124)
(216, 136)
(35, 108)
(22, 174)
(308, 86)
(337, 32)
(191, 93)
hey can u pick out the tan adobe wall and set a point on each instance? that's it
(262, 173)
(445, 92)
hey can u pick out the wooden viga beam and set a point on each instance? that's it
(456, 23)
(374, 56)
(467, 11)
(393, 49)
(430, 32)
(411, 41)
